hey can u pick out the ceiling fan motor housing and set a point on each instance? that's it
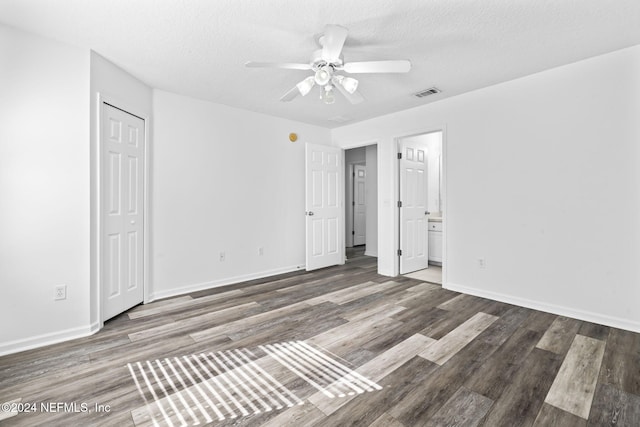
(318, 62)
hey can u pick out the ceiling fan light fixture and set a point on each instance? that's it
(349, 84)
(326, 94)
(322, 76)
(304, 87)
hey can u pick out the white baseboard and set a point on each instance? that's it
(588, 316)
(222, 282)
(371, 253)
(47, 339)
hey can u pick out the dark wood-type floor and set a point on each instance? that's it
(441, 358)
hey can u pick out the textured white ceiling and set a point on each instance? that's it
(198, 47)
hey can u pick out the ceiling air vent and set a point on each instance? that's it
(339, 119)
(427, 92)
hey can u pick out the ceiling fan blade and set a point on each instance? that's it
(332, 42)
(354, 98)
(290, 96)
(286, 65)
(400, 66)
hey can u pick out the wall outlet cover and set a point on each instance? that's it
(60, 292)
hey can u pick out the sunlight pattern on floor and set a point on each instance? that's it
(205, 387)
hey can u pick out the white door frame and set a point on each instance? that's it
(97, 216)
(443, 195)
(344, 179)
(349, 199)
(348, 206)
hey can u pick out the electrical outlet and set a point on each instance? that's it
(223, 256)
(60, 292)
(260, 250)
(482, 263)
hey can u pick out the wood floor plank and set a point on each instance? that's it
(464, 409)
(386, 420)
(453, 319)
(574, 386)
(159, 303)
(299, 415)
(614, 407)
(245, 322)
(365, 409)
(559, 336)
(593, 330)
(441, 384)
(164, 308)
(523, 397)
(346, 295)
(378, 368)
(355, 328)
(503, 328)
(499, 370)
(445, 348)
(540, 320)
(380, 305)
(552, 416)
(189, 324)
(621, 361)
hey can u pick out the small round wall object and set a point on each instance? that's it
(293, 137)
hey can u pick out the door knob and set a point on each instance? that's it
(427, 212)
(310, 213)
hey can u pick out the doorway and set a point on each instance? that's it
(420, 206)
(361, 201)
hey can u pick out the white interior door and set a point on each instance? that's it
(323, 206)
(359, 205)
(122, 192)
(414, 245)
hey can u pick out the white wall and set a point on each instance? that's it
(371, 200)
(224, 180)
(434, 150)
(126, 92)
(44, 190)
(541, 179)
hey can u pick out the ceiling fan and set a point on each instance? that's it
(327, 62)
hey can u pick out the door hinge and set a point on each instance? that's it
(353, 203)
(399, 204)
(353, 232)
(399, 252)
(353, 174)
(399, 156)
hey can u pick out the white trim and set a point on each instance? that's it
(100, 100)
(223, 282)
(370, 253)
(361, 144)
(588, 316)
(47, 339)
(348, 206)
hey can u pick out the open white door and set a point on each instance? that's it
(414, 245)
(359, 205)
(323, 206)
(122, 192)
